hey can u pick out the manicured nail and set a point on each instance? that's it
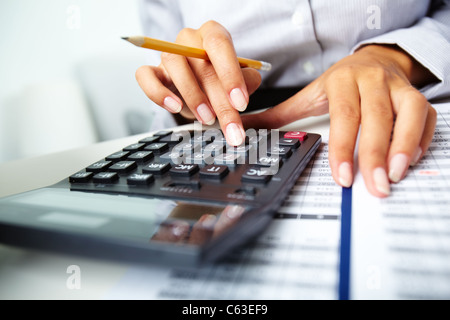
(397, 167)
(234, 212)
(381, 181)
(172, 105)
(238, 99)
(208, 221)
(345, 175)
(235, 134)
(416, 156)
(205, 114)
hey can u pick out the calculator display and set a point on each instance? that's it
(156, 220)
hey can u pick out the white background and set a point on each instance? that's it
(66, 76)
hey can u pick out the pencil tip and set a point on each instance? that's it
(125, 38)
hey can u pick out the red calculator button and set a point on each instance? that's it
(296, 135)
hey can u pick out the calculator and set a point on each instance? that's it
(183, 197)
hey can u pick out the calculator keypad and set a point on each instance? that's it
(200, 165)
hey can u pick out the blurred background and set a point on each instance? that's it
(67, 79)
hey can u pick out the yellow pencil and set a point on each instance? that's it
(165, 46)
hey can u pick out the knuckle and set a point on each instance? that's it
(212, 25)
(383, 112)
(167, 58)
(186, 34)
(342, 109)
(140, 72)
(226, 113)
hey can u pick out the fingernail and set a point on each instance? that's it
(416, 156)
(381, 181)
(345, 175)
(208, 221)
(238, 99)
(235, 134)
(172, 105)
(205, 114)
(234, 212)
(397, 167)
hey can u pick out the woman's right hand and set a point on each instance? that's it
(203, 89)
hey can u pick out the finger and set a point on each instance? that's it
(152, 80)
(311, 101)
(186, 83)
(412, 109)
(202, 230)
(377, 117)
(227, 219)
(220, 49)
(229, 118)
(174, 232)
(252, 79)
(345, 117)
(428, 134)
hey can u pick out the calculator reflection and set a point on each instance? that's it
(196, 225)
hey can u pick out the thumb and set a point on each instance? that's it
(310, 101)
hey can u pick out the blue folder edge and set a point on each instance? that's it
(344, 258)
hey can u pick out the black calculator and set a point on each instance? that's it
(182, 197)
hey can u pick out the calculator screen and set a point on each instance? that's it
(137, 219)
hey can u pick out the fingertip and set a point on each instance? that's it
(172, 105)
(345, 175)
(381, 182)
(238, 99)
(235, 134)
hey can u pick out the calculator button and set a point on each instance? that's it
(174, 157)
(134, 147)
(81, 177)
(118, 156)
(202, 140)
(242, 150)
(199, 158)
(228, 159)
(123, 166)
(184, 170)
(157, 168)
(300, 135)
(140, 179)
(141, 156)
(292, 143)
(269, 161)
(280, 151)
(106, 177)
(214, 149)
(150, 140)
(99, 166)
(258, 175)
(172, 139)
(163, 133)
(187, 148)
(158, 148)
(214, 171)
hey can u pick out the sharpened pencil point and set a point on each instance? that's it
(125, 38)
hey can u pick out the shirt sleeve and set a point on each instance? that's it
(428, 41)
(161, 19)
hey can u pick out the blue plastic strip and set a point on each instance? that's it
(344, 265)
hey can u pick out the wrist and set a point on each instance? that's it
(414, 71)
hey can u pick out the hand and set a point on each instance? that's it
(203, 89)
(370, 91)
